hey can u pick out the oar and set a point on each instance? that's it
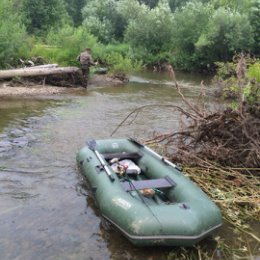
(92, 146)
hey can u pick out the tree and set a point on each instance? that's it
(226, 32)
(254, 16)
(155, 33)
(174, 4)
(41, 15)
(189, 23)
(12, 34)
(74, 9)
(103, 20)
(235, 5)
(150, 3)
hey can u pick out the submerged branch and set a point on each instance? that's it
(139, 109)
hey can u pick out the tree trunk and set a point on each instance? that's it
(43, 66)
(34, 71)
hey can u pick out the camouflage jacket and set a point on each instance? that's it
(85, 59)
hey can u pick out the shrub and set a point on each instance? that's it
(64, 46)
(253, 72)
(119, 64)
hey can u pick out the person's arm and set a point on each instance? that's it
(91, 62)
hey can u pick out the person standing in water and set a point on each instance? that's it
(171, 72)
(86, 61)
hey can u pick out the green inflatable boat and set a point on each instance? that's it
(146, 196)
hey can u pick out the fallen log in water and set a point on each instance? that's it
(34, 71)
(45, 66)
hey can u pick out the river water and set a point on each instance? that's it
(45, 209)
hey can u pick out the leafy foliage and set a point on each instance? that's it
(74, 9)
(233, 85)
(204, 35)
(189, 24)
(190, 34)
(155, 34)
(103, 20)
(119, 64)
(174, 4)
(226, 32)
(254, 72)
(64, 46)
(117, 57)
(252, 90)
(254, 16)
(12, 35)
(150, 3)
(236, 5)
(41, 15)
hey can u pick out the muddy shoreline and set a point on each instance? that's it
(28, 88)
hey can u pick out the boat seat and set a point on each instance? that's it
(121, 156)
(166, 182)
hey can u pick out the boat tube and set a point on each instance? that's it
(152, 203)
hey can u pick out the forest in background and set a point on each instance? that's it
(128, 34)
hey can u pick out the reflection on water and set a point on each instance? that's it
(45, 210)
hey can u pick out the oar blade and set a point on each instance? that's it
(92, 144)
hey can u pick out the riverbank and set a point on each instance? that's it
(27, 88)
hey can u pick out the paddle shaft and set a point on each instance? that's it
(156, 154)
(104, 165)
(92, 144)
(162, 158)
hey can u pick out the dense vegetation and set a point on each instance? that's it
(190, 34)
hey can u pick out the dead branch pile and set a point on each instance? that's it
(227, 137)
(230, 137)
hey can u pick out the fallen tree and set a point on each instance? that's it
(44, 70)
(44, 66)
